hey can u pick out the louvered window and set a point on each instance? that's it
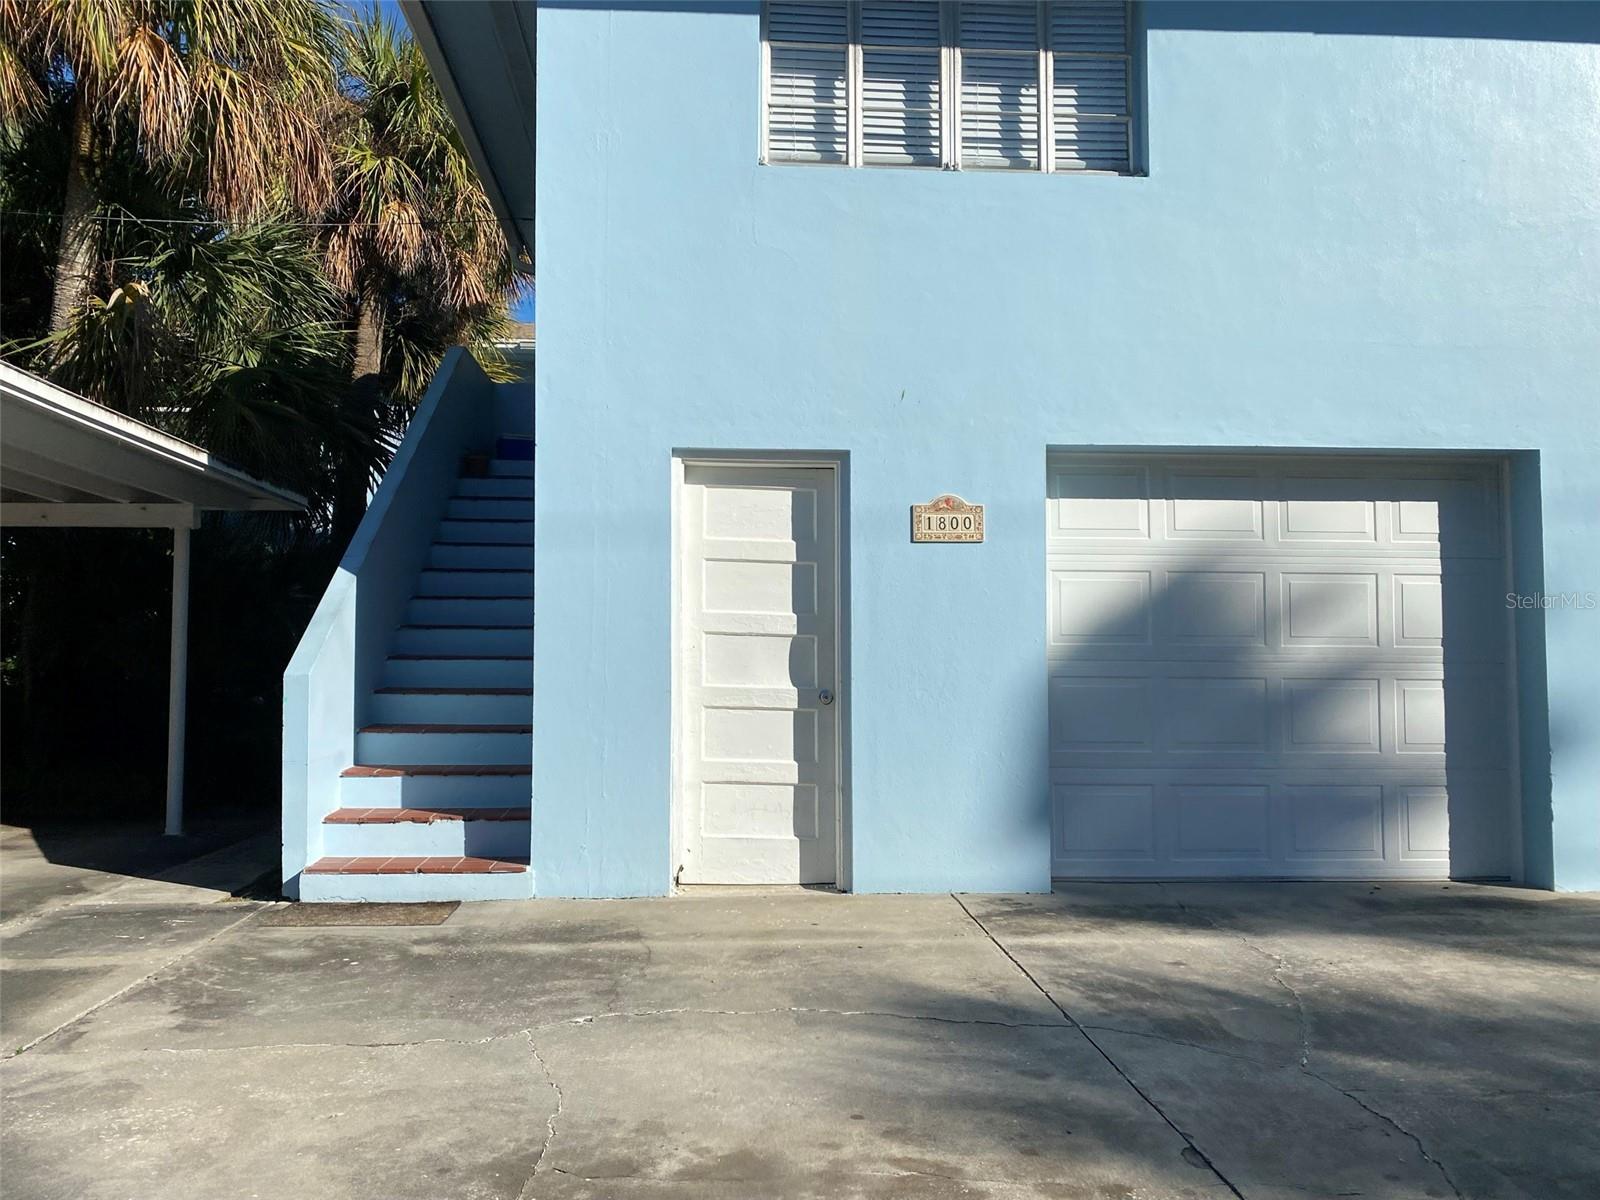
(999, 67)
(961, 85)
(809, 49)
(1092, 127)
(902, 55)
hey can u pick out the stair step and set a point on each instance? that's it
(510, 487)
(492, 531)
(428, 831)
(470, 611)
(433, 785)
(444, 671)
(490, 508)
(389, 770)
(455, 691)
(514, 447)
(450, 641)
(423, 816)
(504, 468)
(440, 728)
(504, 582)
(485, 555)
(467, 745)
(410, 706)
(398, 865)
(416, 887)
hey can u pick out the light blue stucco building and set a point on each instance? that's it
(1266, 335)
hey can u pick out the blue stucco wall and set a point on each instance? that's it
(1362, 226)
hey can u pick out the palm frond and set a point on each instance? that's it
(151, 88)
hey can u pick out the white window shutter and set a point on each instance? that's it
(999, 62)
(812, 21)
(986, 25)
(1044, 86)
(807, 111)
(1090, 114)
(901, 87)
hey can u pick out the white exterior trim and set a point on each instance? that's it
(84, 455)
(85, 465)
(703, 458)
(950, 74)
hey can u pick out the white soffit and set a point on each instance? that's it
(68, 461)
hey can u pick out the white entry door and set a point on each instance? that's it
(759, 749)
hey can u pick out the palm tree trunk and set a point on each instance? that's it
(75, 253)
(366, 391)
(369, 338)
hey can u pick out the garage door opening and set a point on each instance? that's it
(1274, 667)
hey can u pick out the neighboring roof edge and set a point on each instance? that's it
(58, 401)
(419, 15)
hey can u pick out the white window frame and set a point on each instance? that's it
(950, 95)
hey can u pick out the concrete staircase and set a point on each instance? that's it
(441, 783)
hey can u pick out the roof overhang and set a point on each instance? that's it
(482, 53)
(66, 461)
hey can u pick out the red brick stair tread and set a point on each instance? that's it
(469, 626)
(454, 691)
(398, 771)
(423, 815)
(438, 865)
(463, 657)
(432, 728)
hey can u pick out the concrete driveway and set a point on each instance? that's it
(1105, 1041)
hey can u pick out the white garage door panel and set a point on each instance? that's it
(1282, 668)
(1269, 716)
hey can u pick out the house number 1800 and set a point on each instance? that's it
(947, 518)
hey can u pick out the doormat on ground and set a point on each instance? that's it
(431, 912)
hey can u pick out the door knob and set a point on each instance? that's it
(825, 696)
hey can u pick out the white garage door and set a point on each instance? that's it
(1278, 667)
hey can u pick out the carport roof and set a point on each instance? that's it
(67, 461)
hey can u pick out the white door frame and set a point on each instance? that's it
(681, 461)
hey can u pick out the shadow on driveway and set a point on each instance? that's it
(1140, 1040)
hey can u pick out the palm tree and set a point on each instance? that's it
(200, 281)
(230, 96)
(230, 338)
(410, 238)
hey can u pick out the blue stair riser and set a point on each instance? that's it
(514, 446)
(510, 468)
(469, 610)
(411, 889)
(411, 639)
(510, 487)
(481, 582)
(435, 791)
(458, 672)
(447, 555)
(517, 532)
(490, 506)
(450, 749)
(392, 708)
(412, 839)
